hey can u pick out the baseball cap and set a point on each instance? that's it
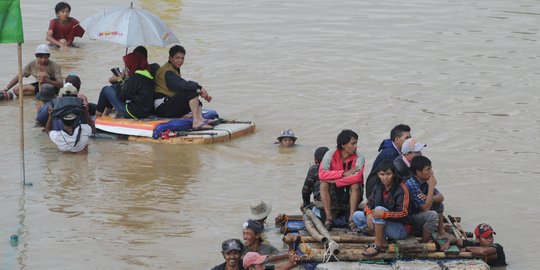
(253, 225)
(70, 116)
(43, 49)
(410, 145)
(230, 245)
(483, 230)
(69, 89)
(252, 258)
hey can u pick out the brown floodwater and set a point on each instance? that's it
(463, 74)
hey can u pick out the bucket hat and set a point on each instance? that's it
(287, 133)
(47, 92)
(259, 209)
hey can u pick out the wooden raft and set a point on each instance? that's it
(314, 242)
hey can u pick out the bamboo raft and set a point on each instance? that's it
(306, 233)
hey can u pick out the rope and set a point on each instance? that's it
(396, 251)
(328, 255)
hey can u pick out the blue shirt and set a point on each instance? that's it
(416, 188)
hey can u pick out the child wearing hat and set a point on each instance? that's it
(43, 69)
(286, 138)
(484, 246)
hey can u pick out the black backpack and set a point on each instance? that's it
(67, 105)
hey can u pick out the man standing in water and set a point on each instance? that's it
(344, 167)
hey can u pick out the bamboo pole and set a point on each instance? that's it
(21, 113)
(410, 247)
(310, 227)
(316, 254)
(332, 245)
(336, 238)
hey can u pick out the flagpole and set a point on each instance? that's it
(21, 123)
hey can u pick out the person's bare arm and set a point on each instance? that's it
(48, 126)
(12, 83)
(88, 118)
(482, 251)
(432, 182)
(49, 38)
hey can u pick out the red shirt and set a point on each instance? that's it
(68, 30)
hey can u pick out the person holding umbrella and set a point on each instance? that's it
(175, 96)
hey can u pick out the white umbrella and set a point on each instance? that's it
(128, 26)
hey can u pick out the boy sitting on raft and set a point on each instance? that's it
(492, 253)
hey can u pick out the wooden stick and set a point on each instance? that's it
(21, 107)
(336, 238)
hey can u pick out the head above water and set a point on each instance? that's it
(253, 225)
(286, 138)
(61, 6)
(46, 93)
(344, 137)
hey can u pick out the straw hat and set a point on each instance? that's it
(259, 209)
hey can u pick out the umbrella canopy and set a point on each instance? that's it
(129, 26)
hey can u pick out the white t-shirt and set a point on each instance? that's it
(65, 142)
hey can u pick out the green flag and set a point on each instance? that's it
(11, 29)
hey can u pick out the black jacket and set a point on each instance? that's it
(397, 201)
(138, 94)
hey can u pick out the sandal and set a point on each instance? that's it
(328, 224)
(372, 250)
